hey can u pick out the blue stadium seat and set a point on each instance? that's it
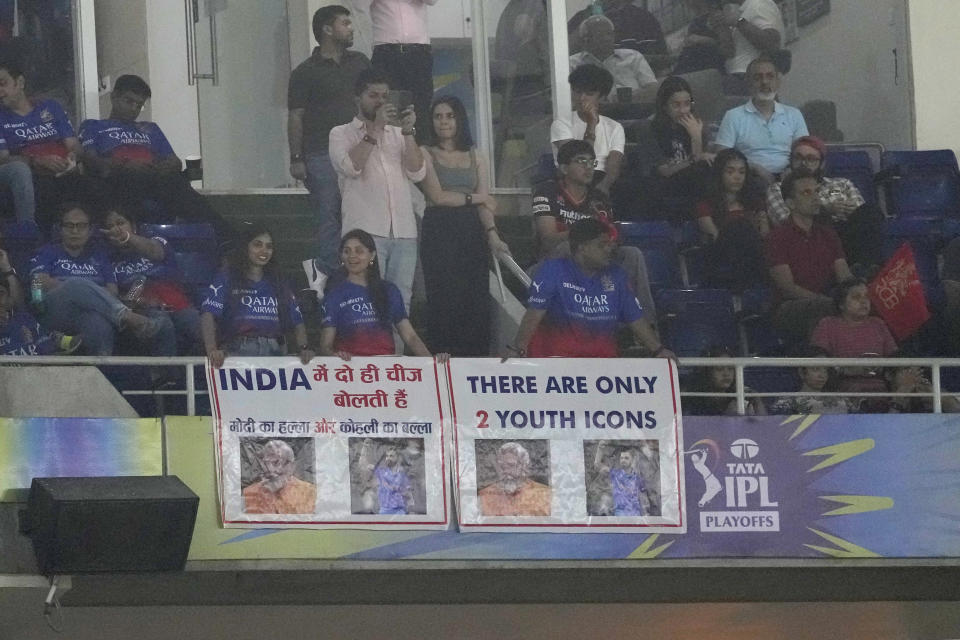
(194, 247)
(922, 184)
(856, 167)
(771, 379)
(656, 241)
(756, 326)
(21, 241)
(694, 319)
(546, 169)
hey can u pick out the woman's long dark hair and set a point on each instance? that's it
(238, 262)
(375, 284)
(663, 127)
(463, 141)
(751, 195)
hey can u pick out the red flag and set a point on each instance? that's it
(897, 294)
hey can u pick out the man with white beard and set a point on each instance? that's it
(763, 129)
(279, 491)
(514, 493)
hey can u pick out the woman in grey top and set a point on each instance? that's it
(458, 230)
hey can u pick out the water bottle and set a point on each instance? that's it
(596, 9)
(36, 293)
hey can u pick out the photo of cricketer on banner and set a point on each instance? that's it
(562, 444)
(334, 443)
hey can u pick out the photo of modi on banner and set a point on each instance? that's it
(274, 478)
(567, 445)
(334, 443)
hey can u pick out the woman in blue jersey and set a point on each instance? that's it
(79, 292)
(253, 306)
(361, 309)
(148, 277)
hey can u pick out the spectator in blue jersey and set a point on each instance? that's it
(135, 162)
(576, 303)
(148, 277)
(20, 333)
(361, 309)
(38, 150)
(254, 307)
(557, 204)
(80, 292)
(394, 489)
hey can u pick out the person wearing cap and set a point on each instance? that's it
(859, 225)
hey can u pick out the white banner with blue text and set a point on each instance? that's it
(334, 443)
(567, 445)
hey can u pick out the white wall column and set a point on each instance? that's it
(934, 25)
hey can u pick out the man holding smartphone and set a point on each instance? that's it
(376, 161)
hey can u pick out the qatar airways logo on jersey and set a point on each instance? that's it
(592, 304)
(128, 136)
(142, 265)
(259, 304)
(39, 131)
(77, 268)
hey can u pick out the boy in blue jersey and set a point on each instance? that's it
(20, 333)
(135, 162)
(38, 150)
(576, 303)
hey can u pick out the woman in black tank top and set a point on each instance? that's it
(458, 232)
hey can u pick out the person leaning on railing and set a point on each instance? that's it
(255, 308)
(576, 303)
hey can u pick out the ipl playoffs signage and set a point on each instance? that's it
(356, 443)
(543, 445)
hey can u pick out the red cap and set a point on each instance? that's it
(810, 141)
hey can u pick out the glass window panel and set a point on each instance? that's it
(520, 87)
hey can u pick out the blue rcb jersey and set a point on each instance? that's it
(21, 335)
(137, 141)
(127, 266)
(92, 264)
(348, 308)
(39, 133)
(250, 308)
(582, 311)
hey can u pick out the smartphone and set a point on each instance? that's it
(400, 99)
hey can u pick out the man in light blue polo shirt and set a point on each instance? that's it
(762, 129)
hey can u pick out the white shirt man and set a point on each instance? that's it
(765, 16)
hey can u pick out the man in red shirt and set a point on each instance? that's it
(805, 259)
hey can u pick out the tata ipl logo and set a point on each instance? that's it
(745, 487)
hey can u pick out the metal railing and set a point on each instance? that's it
(740, 364)
(190, 390)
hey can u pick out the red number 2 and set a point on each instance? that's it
(483, 415)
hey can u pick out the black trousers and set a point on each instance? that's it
(862, 236)
(410, 67)
(453, 253)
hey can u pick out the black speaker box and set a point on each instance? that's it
(94, 525)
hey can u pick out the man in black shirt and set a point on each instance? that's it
(319, 98)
